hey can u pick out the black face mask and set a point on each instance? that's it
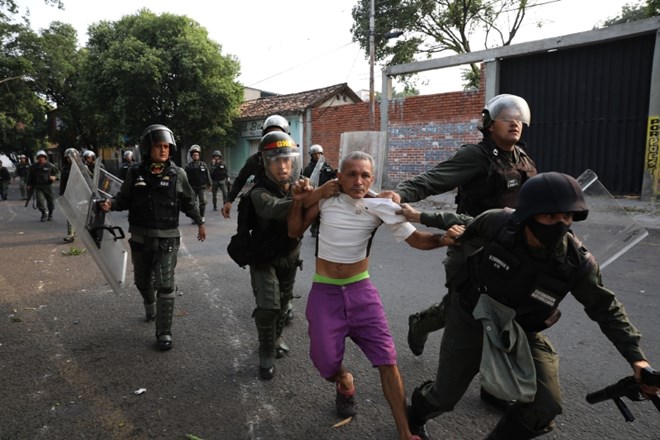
(548, 235)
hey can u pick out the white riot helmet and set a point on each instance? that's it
(89, 153)
(275, 121)
(41, 153)
(316, 148)
(504, 107)
(128, 155)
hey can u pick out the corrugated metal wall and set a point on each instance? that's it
(589, 108)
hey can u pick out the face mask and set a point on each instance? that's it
(548, 235)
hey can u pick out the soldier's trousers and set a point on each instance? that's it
(222, 185)
(154, 260)
(460, 357)
(45, 198)
(272, 285)
(200, 192)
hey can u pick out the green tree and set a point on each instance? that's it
(433, 26)
(22, 108)
(148, 68)
(634, 12)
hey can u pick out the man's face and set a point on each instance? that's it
(160, 152)
(356, 178)
(315, 157)
(194, 155)
(41, 159)
(217, 158)
(506, 129)
(280, 168)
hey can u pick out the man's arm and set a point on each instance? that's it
(466, 164)
(426, 240)
(299, 217)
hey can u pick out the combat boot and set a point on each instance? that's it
(266, 332)
(150, 312)
(44, 216)
(50, 216)
(419, 412)
(422, 323)
(164, 313)
(510, 427)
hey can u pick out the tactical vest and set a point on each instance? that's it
(499, 188)
(274, 233)
(41, 174)
(505, 271)
(154, 203)
(197, 174)
(219, 171)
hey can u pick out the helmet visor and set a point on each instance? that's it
(509, 108)
(282, 165)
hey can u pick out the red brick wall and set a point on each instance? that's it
(422, 130)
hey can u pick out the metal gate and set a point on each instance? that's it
(589, 108)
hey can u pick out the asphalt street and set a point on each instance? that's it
(78, 361)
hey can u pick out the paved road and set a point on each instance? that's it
(73, 353)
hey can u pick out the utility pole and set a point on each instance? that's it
(372, 61)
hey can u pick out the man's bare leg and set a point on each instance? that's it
(392, 384)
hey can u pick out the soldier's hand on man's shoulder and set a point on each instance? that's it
(389, 194)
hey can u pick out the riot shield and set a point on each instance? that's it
(316, 173)
(79, 205)
(609, 231)
(372, 142)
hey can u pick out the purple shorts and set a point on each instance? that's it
(355, 310)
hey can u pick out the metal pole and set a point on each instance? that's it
(372, 60)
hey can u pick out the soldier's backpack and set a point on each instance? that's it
(249, 245)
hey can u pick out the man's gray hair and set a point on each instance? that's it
(358, 155)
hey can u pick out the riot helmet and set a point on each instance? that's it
(275, 122)
(316, 148)
(275, 146)
(70, 152)
(195, 149)
(216, 153)
(41, 153)
(89, 153)
(153, 134)
(504, 107)
(550, 193)
(128, 155)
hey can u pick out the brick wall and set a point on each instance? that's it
(422, 130)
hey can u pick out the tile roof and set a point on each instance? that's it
(292, 103)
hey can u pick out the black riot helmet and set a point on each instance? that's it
(550, 193)
(276, 145)
(275, 122)
(156, 133)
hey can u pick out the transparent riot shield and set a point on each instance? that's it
(609, 231)
(316, 173)
(372, 142)
(103, 240)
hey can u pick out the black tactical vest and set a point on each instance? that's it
(154, 203)
(505, 270)
(41, 173)
(499, 188)
(197, 174)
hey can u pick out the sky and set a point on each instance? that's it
(290, 46)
